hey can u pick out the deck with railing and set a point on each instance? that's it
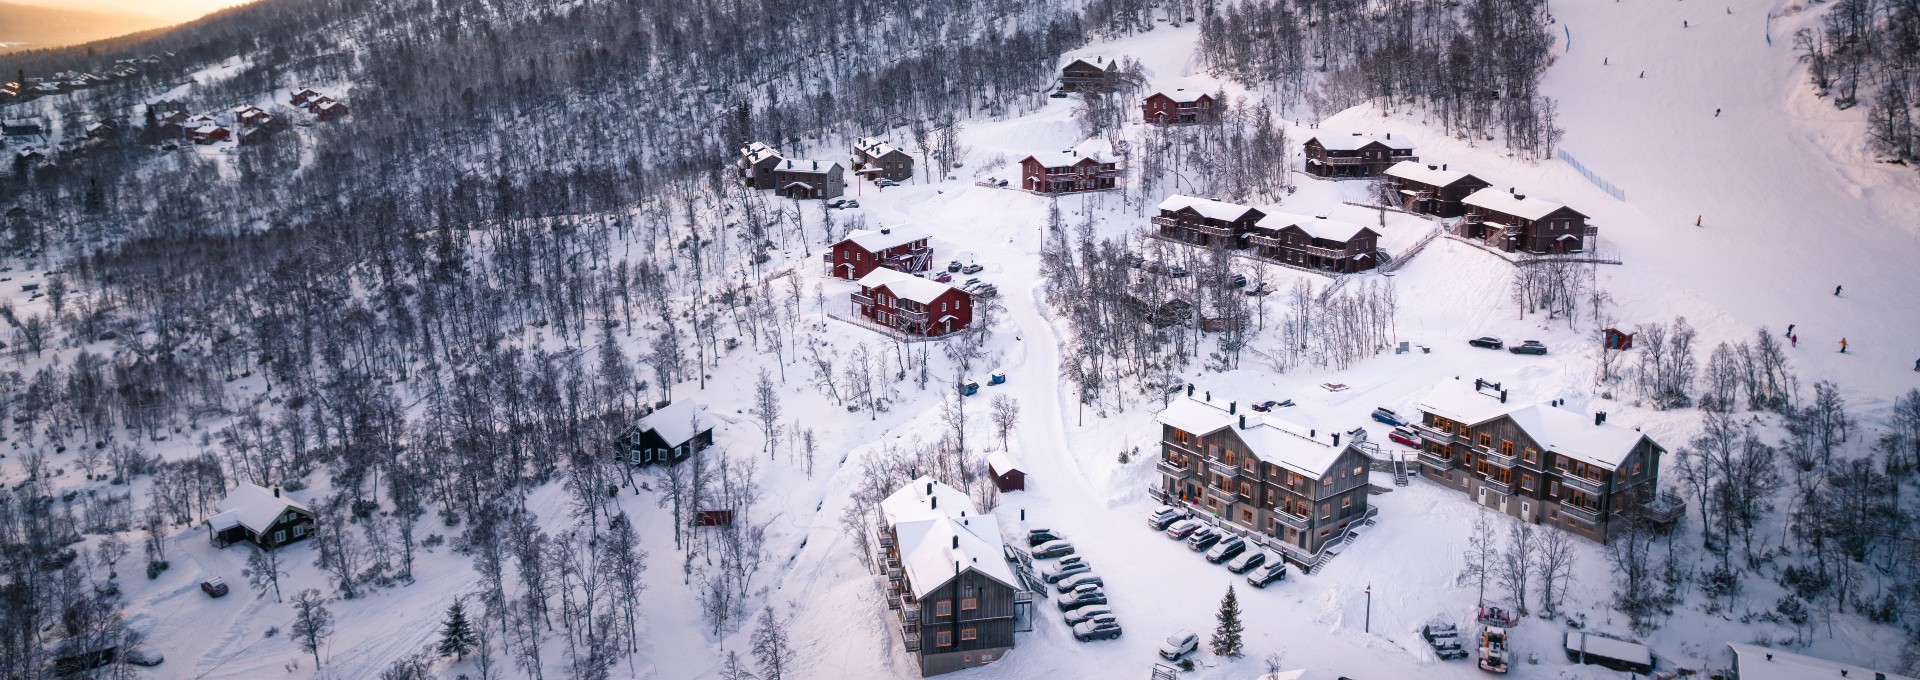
(1169, 469)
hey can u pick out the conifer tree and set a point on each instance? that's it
(456, 637)
(1226, 637)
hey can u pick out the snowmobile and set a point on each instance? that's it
(1493, 649)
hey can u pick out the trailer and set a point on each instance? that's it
(1606, 652)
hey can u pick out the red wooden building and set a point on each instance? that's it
(1512, 221)
(329, 109)
(209, 133)
(1006, 472)
(1066, 172)
(1355, 155)
(864, 250)
(301, 98)
(1179, 108)
(912, 304)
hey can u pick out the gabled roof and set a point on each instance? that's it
(1317, 226)
(1271, 438)
(676, 422)
(905, 286)
(1573, 434)
(252, 506)
(1061, 159)
(1458, 401)
(807, 165)
(1181, 94)
(757, 151)
(1206, 207)
(1761, 663)
(925, 498)
(1002, 462)
(1096, 61)
(872, 146)
(877, 240)
(941, 533)
(1518, 205)
(1355, 141)
(1427, 174)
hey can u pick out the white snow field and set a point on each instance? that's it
(1791, 206)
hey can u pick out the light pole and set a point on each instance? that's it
(1368, 626)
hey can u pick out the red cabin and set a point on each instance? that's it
(1006, 472)
(1066, 172)
(864, 250)
(1180, 108)
(912, 304)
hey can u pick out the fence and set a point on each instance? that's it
(1604, 185)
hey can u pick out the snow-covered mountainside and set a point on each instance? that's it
(442, 373)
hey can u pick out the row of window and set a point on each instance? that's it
(945, 638)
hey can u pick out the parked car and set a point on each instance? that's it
(1183, 528)
(1203, 539)
(1176, 271)
(214, 587)
(1075, 581)
(1058, 94)
(1386, 415)
(1072, 559)
(1099, 629)
(1237, 281)
(1003, 182)
(972, 268)
(1488, 342)
(1062, 572)
(1247, 561)
(1080, 597)
(1089, 613)
(1227, 549)
(1405, 436)
(1528, 347)
(1270, 404)
(1179, 644)
(953, 266)
(1041, 535)
(1163, 517)
(884, 182)
(843, 203)
(1268, 573)
(1052, 549)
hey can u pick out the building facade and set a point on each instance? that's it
(756, 165)
(911, 304)
(1430, 189)
(879, 159)
(864, 250)
(1514, 222)
(1179, 108)
(802, 179)
(955, 597)
(1355, 155)
(1088, 74)
(1205, 222)
(1066, 173)
(1315, 242)
(670, 434)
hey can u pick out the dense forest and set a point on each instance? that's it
(1867, 53)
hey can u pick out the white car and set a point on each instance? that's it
(1087, 613)
(1069, 583)
(1179, 644)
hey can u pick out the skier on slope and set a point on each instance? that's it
(1716, 113)
(1836, 291)
(1843, 345)
(1789, 330)
(1795, 339)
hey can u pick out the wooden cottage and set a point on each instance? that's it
(1066, 172)
(254, 514)
(251, 116)
(1515, 222)
(1088, 74)
(1430, 189)
(955, 596)
(912, 304)
(300, 98)
(803, 179)
(329, 110)
(756, 165)
(1177, 108)
(1315, 242)
(1355, 155)
(1006, 472)
(20, 127)
(876, 158)
(864, 250)
(1205, 222)
(209, 133)
(670, 434)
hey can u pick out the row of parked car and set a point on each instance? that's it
(1220, 547)
(1525, 346)
(1082, 599)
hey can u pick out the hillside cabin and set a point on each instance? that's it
(1754, 662)
(670, 434)
(805, 179)
(1430, 189)
(251, 116)
(209, 133)
(1088, 74)
(1515, 222)
(901, 249)
(266, 518)
(1007, 473)
(20, 127)
(1066, 172)
(956, 598)
(329, 110)
(1178, 108)
(1315, 242)
(1205, 222)
(1355, 155)
(756, 165)
(252, 136)
(911, 304)
(102, 130)
(301, 97)
(878, 159)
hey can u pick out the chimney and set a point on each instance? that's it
(276, 492)
(816, 165)
(1243, 421)
(1433, 167)
(956, 545)
(1509, 190)
(1600, 418)
(1389, 135)
(1443, 166)
(1311, 433)
(1478, 383)
(1189, 389)
(1503, 396)
(1336, 439)
(886, 230)
(1209, 395)
(933, 503)
(1231, 406)
(929, 488)
(1520, 197)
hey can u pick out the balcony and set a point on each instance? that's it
(1433, 460)
(1492, 484)
(1495, 457)
(912, 640)
(1191, 225)
(1183, 447)
(1265, 241)
(1570, 480)
(1169, 469)
(1223, 470)
(1292, 520)
(1431, 433)
(1318, 251)
(1225, 496)
(1346, 160)
(863, 299)
(1579, 512)
(910, 316)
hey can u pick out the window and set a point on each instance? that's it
(1553, 488)
(1466, 433)
(969, 633)
(299, 530)
(1246, 488)
(1346, 502)
(1359, 470)
(943, 608)
(1326, 510)
(1486, 440)
(986, 658)
(1530, 455)
(279, 536)
(1246, 516)
(968, 604)
(1636, 469)
(943, 639)
(1526, 482)
(1506, 448)
(1327, 482)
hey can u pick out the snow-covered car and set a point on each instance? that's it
(1064, 571)
(214, 587)
(1051, 549)
(1075, 581)
(1038, 536)
(843, 203)
(1401, 435)
(1270, 404)
(1268, 573)
(1183, 528)
(1528, 347)
(1088, 613)
(1179, 644)
(1163, 517)
(1098, 629)
(972, 268)
(1387, 416)
(141, 657)
(1487, 342)
(1072, 559)
(1247, 561)
(884, 182)
(943, 277)
(1080, 597)
(1203, 539)
(953, 266)
(1227, 549)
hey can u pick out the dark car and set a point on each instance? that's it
(1270, 404)
(1176, 271)
(1039, 536)
(953, 266)
(1080, 597)
(1246, 562)
(1053, 549)
(1058, 94)
(1268, 573)
(1097, 629)
(1386, 415)
(1528, 347)
(1237, 281)
(1203, 539)
(214, 587)
(1227, 550)
(1488, 342)
(1405, 436)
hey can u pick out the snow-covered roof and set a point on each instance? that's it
(1426, 174)
(1459, 401)
(1098, 61)
(926, 498)
(872, 146)
(877, 240)
(1317, 226)
(1633, 652)
(1208, 208)
(757, 151)
(940, 532)
(807, 165)
(1518, 205)
(1061, 159)
(677, 422)
(1761, 663)
(252, 506)
(1574, 434)
(1270, 437)
(1002, 462)
(904, 286)
(1353, 142)
(245, 108)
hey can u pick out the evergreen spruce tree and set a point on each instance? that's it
(456, 637)
(1226, 637)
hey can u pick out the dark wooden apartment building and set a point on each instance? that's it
(1205, 222)
(1261, 473)
(911, 304)
(756, 165)
(1179, 108)
(1088, 74)
(879, 159)
(803, 178)
(1066, 172)
(1430, 189)
(1315, 242)
(864, 250)
(955, 597)
(1514, 222)
(1542, 462)
(1355, 155)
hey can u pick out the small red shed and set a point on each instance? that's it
(1612, 338)
(1006, 472)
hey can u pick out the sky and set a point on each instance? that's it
(174, 10)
